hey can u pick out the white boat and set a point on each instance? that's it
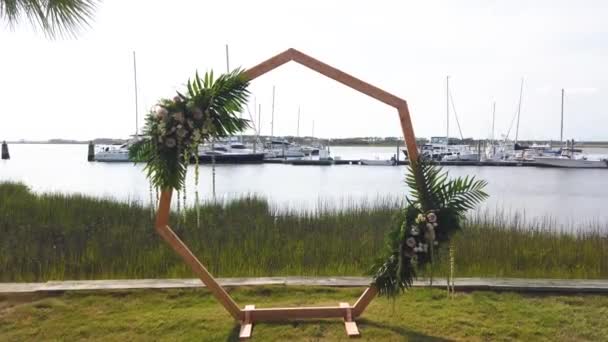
(563, 161)
(121, 153)
(283, 149)
(464, 154)
(113, 154)
(228, 153)
(377, 162)
(570, 157)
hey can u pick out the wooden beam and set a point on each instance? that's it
(368, 295)
(269, 64)
(282, 314)
(349, 324)
(408, 132)
(197, 267)
(247, 324)
(349, 81)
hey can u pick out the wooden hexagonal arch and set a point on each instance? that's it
(250, 314)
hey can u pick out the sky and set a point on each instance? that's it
(83, 88)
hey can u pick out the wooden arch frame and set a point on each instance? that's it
(250, 314)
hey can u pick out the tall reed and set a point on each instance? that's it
(57, 236)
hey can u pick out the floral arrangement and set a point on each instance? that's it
(435, 210)
(206, 110)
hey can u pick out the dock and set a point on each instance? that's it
(595, 286)
(317, 162)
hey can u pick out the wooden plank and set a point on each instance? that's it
(408, 132)
(324, 69)
(162, 219)
(245, 331)
(368, 295)
(351, 327)
(247, 324)
(282, 314)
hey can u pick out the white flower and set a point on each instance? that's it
(196, 136)
(415, 231)
(182, 132)
(431, 217)
(435, 224)
(170, 142)
(161, 112)
(410, 242)
(420, 218)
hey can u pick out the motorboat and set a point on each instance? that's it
(378, 162)
(464, 154)
(283, 149)
(571, 158)
(113, 153)
(562, 161)
(227, 153)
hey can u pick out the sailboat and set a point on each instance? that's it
(570, 157)
(121, 153)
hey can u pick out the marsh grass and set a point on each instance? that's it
(57, 236)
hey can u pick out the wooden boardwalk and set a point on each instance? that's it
(462, 284)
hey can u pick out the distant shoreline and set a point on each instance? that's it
(587, 144)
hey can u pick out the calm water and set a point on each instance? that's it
(567, 195)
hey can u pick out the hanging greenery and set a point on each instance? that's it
(435, 210)
(207, 109)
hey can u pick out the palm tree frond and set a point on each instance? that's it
(54, 17)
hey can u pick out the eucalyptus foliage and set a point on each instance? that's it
(207, 110)
(435, 210)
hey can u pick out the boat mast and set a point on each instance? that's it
(272, 115)
(493, 120)
(561, 132)
(227, 60)
(136, 102)
(298, 130)
(447, 110)
(313, 129)
(521, 89)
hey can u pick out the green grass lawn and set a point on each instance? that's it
(193, 314)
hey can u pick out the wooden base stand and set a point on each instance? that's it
(252, 314)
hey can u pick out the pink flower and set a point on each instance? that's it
(179, 117)
(431, 217)
(197, 114)
(177, 98)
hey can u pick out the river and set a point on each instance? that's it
(568, 196)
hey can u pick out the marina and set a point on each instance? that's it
(566, 195)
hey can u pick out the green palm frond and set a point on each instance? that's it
(54, 17)
(218, 100)
(431, 191)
